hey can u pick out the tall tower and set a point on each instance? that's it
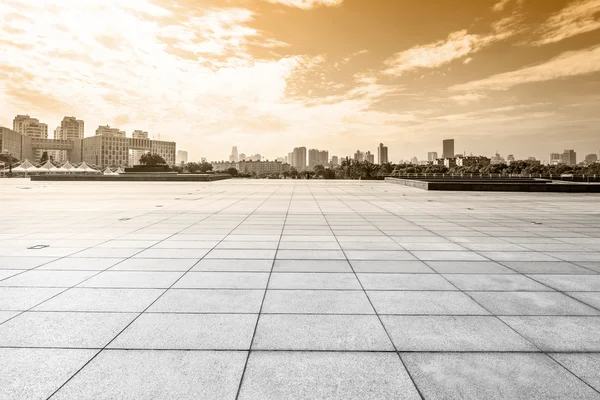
(382, 154)
(234, 157)
(32, 127)
(448, 147)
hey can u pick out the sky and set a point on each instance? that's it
(519, 77)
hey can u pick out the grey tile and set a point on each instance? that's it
(223, 280)
(424, 302)
(398, 267)
(583, 365)
(321, 332)
(310, 255)
(209, 301)
(531, 303)
(91, 264)
(316, 302)
(21, 299)
(571, 283)
(172, 253)
(107, 300)
(63, 329)
(448, 256)
(493, 376)
(48, 278)
(241, 254)
(404, 282)
(379, 255)
(158, 375)
(311, 266)
(6, 315)
(468, 267)
(7, 273)
(234, 265)
(314, 280)
(23, 262)
(559, 333)
(591, 298)
(537, 267)
(27, 374)
(133, 279)
(495, 282)
(155, 264)
(188, 332)
(453, 333)
(517, 256)
(301, 375)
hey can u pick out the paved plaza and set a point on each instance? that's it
(271, 289)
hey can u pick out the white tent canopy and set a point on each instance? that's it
(66, 167)
(83, 167)
(48, 167)
(26, 166)
(109, 171)
(119, 171)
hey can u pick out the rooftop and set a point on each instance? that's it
(270, 289)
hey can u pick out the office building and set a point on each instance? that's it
(359, 156)
(135, 155)
(182, 157)
(448, 148)
(497, 159)
(591, 158)
(334, 161)
(299, 158)
(510, 159)
(370, 157)
(33, 128)
(414, 161)
(99, 150)
(473, 161)
(105, 130)
(432, 156)
(260, 167)
(224, 165)
(569, 157)
(382, 154)
(234, 157)
(554, 159)
(317, 157)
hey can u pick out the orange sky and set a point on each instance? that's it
(517, 76)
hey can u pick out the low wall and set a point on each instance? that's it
(498, 186)
(136, 177)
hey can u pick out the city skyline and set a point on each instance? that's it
(512, 76)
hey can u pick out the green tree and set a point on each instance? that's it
(152, 159)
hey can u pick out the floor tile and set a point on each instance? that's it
(531, 303)
(209, 301)
(96, 299)
(316, 302)
(223, 280)
(424, 303)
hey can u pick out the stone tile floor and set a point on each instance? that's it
(296, 290)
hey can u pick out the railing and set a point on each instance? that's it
(576, 178)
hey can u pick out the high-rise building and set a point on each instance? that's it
(335, 161)
(71, 128)
(182, 157)
(554, 159)
(510, 159)
(432, 156)
(414, 161)
(370, 157)
(135, 155)
(32, 127)
(569, 157)
(359, 156)
(234, 157)
(105, 130)
(382, 154)
(448, 148)
(299, 158)
(591, 158)
(317, 157)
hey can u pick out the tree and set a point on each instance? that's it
(152, 159)
(233, 172)
(44, 157)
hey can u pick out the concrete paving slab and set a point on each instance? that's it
(101, 300)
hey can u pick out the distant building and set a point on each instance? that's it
(569, 157)
(554, 159)
(432, 156)
(317, 157)
(105, 130)
(510, 159)
(260, 167)
(591, 158)
(359, 156)
(299, 158)
(224, 165)
(370, 157)
(382, 154)
(234, 157)
(497, 159)
(182, 157)
(70, 128)
(31, 127)
(134, 157)
(414, 161)
(473, 161)
(448, 148)
(334, 161)
(449, 162)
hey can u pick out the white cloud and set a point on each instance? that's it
(467, 98)
(568, 64)
(307, 4)
(579, 17)
(499, 6)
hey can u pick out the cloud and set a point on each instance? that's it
(577, 18)
(499, 6)
(468, 98)
(307, 4)
(568, 64)
(456, 46)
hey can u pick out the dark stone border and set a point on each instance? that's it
(493, 185)
(137, 177)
